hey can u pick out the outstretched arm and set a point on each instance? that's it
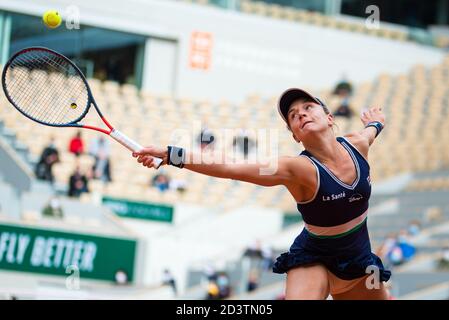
(363, 139)
(280, 172)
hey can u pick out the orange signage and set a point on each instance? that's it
(200, 54)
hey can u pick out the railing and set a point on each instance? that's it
(13, 169)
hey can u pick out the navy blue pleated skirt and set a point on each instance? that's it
(348, 257)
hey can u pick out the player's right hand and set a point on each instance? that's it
(147, 154)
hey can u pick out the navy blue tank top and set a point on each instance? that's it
(336, 202)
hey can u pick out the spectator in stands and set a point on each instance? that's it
(267, 257)
(407, 248)
(395, 255)
(76, 145)
(114, 70)
(343, 87)
(53, 209)
(77, 183)
(387, 246)
(254, 250)
(48, 158)
(397, 249)
(443, 262)
(169, 280)
(213, 292)
(253, 280)
(100, 150)
(344, 91)
(161, 181)
(224, 286)
(332, 253)
(414, 228)
(210, 272)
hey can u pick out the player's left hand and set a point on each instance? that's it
(373, 114)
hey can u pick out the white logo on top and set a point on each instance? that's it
(355, 197)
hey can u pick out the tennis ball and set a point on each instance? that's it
(73, 105)
(52, 19)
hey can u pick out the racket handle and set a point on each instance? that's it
(133, 146)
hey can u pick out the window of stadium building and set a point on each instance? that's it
(100, 53)
(412, 13)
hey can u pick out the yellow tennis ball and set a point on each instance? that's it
(73, 105)
(52, 19)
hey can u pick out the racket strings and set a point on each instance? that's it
(37, 98)
(46, 87)
(61, 115)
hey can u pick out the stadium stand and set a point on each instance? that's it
(350, 24)
(419, 98)
(318, 19)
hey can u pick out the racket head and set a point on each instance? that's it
(46, 87)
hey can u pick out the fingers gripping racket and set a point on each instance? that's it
(56, 94)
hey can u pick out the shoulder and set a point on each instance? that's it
(300, 168)
(359, 141)
(299, 161)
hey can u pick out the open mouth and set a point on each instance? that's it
(305, 124)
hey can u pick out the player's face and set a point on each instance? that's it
(306, 117)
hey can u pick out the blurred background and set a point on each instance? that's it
(80, 220)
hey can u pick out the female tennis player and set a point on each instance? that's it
(331, 184)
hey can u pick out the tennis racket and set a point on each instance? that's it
(56, 94)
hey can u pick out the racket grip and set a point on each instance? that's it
(132, 145)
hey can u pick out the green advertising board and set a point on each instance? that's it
(139, 210)
(290, 218)
(52, 252)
